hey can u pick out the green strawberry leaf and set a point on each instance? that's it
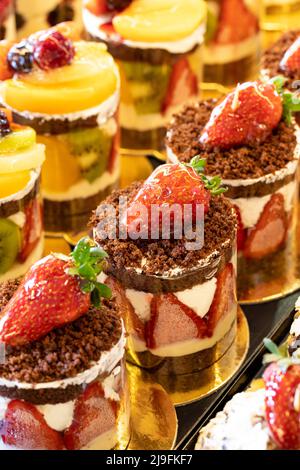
(290, 101)
(211, 184)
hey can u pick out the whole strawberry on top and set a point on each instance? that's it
(290, 62)
(56, 290)
(248, 115)
(282, 397)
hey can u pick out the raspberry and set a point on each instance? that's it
(4, 124)
(20, 57)
(117, 4)
(53, 50)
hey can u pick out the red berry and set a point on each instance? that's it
(282, 404)
(247, 115)
(291, 59)
(53, 50)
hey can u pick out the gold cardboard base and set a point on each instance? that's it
(187, 388)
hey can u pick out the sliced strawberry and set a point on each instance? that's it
(24, 427)
(291, 59)
(171, 322)
(97, 7)
(270, 232)
(183, 85)
(282, 401)
(241, 231)
(115, 147)
(224, 298)
(236, 22)
(93, 416)
(32, 229)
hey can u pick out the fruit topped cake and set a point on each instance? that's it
(68, 91)
(62, 383)
(157, 46)
(264, 419)
(249, 138)
(21, 225)
(232, 41)
(173, 275)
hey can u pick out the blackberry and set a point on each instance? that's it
(4, 125)
(20, 57)
(117, 4)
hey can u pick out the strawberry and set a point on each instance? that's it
(93, 416)
(171, 184)
(183, 85)
(282, 402)
(24, 427)
(97, 7)
(224, 298)
(5, 71)
(32, 229)
(55, 291)
(291, 59)
(270, 231)
(247, 115)
(236, 22)
(171, 321)
(241, 231)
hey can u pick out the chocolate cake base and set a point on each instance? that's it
(152, 139)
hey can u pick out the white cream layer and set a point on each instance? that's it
(19, 269)
(92, 24)
(183, 348)
(241, 426)
(222, 54)
(107, 362)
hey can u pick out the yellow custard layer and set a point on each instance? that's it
(87, 82)
(160, 20)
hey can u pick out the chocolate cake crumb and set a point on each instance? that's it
(248, 161)
(270, 63)
(164, 255)
(64, 352)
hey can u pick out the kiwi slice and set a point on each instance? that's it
(17, 140)
(9, 244)
(91, 148)
(148, 85)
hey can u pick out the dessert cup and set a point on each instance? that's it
(32, 15)
(74, 110)
(232, 44)
(179, 306)
(21, 224)
(72, 387)
(160, 64)
(279, 16)
(259, 178)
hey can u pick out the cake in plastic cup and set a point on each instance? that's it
(63, 380)
(68, 91)
(21, 224)
(232, 42)
(279, 16)
(157, 44)
(178, 301)
(33, 15)
(261, 177)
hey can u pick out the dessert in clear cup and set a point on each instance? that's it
(157, 44)
(62, 380)
(265, 417)
(178, 299)
(232, 43)
(32, 15)
(250, 140)
(279, 16)
(21, 224)
(68, 91)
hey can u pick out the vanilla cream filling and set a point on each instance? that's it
(241, 426)
(19, 219)
(107, 362)
(221, 54)
(92, 24)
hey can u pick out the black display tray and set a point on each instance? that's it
(272, 320)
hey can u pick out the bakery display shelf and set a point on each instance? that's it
(271, 320)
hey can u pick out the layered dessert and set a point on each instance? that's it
(250, 140)
(232, 42)
(68, 91)
(62, 382)
(157, 46)
(279, 16)
(262, 419)
(178, 296)
(21, 225)
(32, 15)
